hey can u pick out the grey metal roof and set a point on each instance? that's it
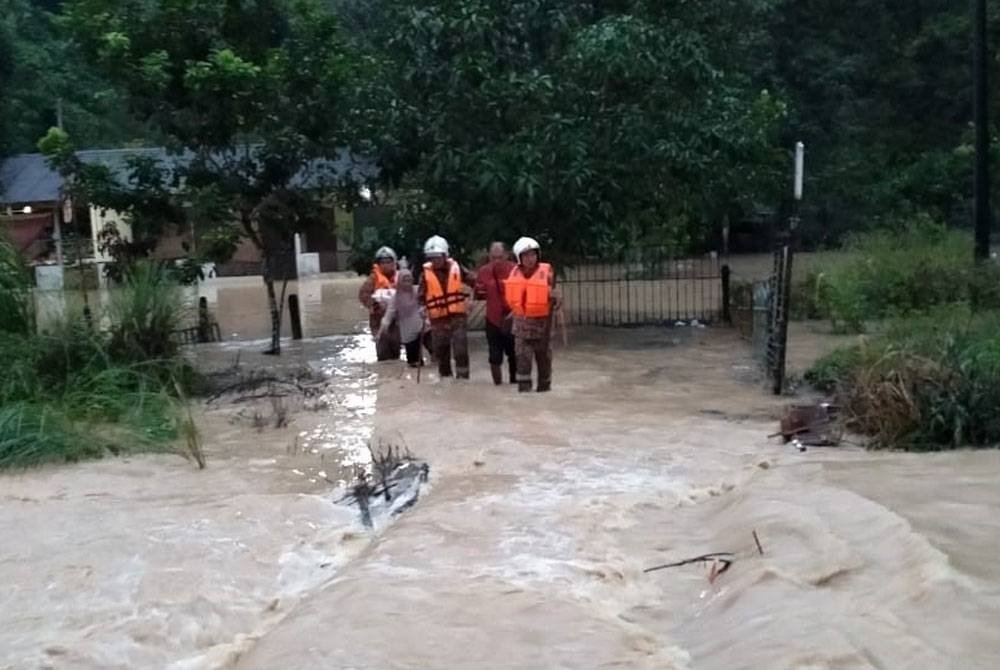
(27, 178)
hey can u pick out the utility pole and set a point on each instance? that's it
(981, 182)
(782, 283)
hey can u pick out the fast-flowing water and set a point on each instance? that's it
(530, 547)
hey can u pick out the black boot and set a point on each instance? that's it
(524, 386)
(512, 365)
(544, 386)
(497, 373)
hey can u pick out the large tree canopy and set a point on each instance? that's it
(43, 78)
(585, 123)
(881, 93)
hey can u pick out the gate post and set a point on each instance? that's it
(203, 322)
(294, 316)
(727, 316)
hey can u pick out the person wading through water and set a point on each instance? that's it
(442, 292)
(404, 311)
(489, 287)
(531, 294)
(375, 295)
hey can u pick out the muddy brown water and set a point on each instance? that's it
(528, 548)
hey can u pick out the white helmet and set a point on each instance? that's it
(385, 252)
(525, 244)
(436, 246)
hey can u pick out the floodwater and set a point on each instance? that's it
(529, 548)
(147, 562)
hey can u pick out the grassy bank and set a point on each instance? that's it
(931, 378)
(73, 392)
(929, 382)
(888, 274)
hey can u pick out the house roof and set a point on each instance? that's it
(28, 178)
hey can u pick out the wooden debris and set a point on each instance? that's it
(723, 558)
(813, 425)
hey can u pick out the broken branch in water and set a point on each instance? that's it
(757, 540)
(726, 558)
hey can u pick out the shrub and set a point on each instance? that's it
(144, 313)
(71, 392)
(930, 382)
(15, 297)
(891, 274)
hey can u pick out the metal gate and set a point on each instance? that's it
(644, 286)
(779, 292)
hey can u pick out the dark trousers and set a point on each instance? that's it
(413, 355)
(501, 344)
(450, 337)
(387, 346)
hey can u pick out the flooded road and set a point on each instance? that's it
(528, 550)
(147, 562)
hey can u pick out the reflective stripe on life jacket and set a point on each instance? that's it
(529, 296)
(381, 281)
(440, 302)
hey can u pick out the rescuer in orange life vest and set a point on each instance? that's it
(375, 295)
(531, 294)
(442, 291)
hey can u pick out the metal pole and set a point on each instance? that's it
(981, 185)
(785, 281)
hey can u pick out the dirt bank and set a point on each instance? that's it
(529, 551)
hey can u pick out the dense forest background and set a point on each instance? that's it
(615, 121)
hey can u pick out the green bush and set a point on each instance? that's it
(71, 392)
(15, 298)
(888, 274)
(930, 382)
(144, 313)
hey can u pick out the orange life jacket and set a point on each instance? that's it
(529, 296)
(381, 281)
(444, 301)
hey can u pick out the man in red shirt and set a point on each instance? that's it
(489, 287)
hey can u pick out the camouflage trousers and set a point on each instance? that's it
(533, 344)
(450, 337)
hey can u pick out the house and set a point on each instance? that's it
(49, 232)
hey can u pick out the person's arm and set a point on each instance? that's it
(387, 319)
(479, 292)
(556, 294)
(468, 277)
(366, 291)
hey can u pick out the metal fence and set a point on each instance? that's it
(645, 287)
(642, 287)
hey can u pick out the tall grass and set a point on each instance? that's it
(930, 382)
(15, 297)
(70, 392)
(143, 314)
(888, 274)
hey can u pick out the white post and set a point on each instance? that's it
(800, 154)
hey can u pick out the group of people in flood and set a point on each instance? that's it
(430, 310)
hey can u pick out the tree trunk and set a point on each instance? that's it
(274, 307)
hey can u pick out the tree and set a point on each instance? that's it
(252, 99)
(880, 92)
(47, 82)
(592, 125)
